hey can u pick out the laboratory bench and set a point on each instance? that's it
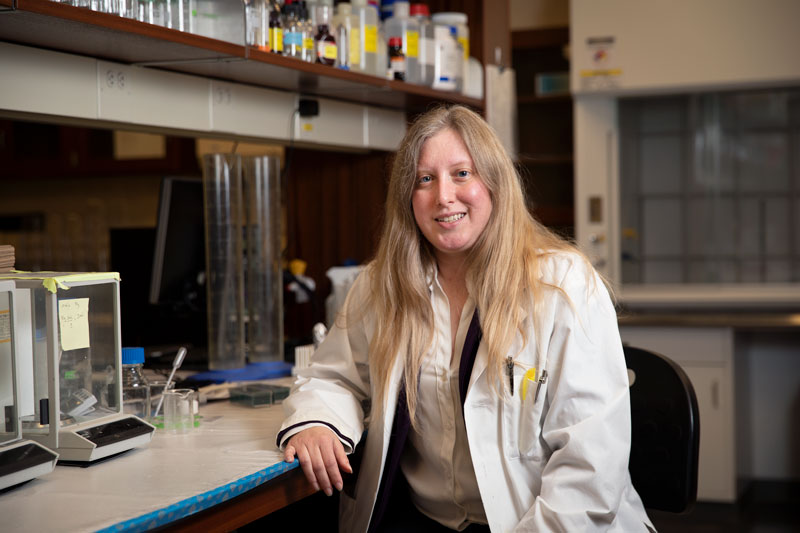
(225, 473)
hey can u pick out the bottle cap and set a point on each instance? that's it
(132, 356)
(396, 41)
(400, 10)
(420, 9)
(449, 18)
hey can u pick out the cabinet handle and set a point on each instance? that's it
(715, 394)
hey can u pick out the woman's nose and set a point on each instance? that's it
(444, 192)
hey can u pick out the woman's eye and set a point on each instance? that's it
(463, 173)
(424, 179)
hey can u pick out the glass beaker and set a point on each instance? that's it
(179, 410)
(264, 275)
(222, 196)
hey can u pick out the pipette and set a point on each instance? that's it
(176, 364)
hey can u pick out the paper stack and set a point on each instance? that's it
(6, 258)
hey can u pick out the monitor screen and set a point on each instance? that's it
(179, 264)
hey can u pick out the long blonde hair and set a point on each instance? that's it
(503, 267)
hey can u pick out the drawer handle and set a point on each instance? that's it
(715, 394)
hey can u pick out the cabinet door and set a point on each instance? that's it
(706, 355)
(717, 468)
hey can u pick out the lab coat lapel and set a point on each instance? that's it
(378, 438)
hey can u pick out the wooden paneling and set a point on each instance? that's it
(335, 208)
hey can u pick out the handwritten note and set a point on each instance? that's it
(73, 318)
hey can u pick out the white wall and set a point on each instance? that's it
(682, 45)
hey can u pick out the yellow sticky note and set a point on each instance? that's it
(530, 376)
(73, 319)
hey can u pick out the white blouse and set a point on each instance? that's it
(436, 460)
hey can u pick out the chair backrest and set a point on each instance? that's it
(665, 436)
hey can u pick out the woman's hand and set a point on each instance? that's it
(321, 455)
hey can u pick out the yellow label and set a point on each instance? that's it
(329, 51)
(370, 38)
(464, 42)
(412, 44)
(308, 43)
(73, 319)
(307, 126)
(355, 46)
(606, 72)
(276, 39)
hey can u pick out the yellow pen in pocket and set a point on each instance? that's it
(530, 375)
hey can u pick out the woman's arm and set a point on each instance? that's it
(325, 418)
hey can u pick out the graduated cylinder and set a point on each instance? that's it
(222, 195)
(264, 272)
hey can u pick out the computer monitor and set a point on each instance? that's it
(179, 263)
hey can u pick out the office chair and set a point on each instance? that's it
(665, 434)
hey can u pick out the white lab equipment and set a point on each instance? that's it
(70, 324)
(20, 459)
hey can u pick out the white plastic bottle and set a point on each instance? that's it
(446, 59)
(400, 24)
(135, 388)
(368, 28)
(348, 37)
(421, 14)
(459, 21)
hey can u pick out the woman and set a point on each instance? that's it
(520, 418)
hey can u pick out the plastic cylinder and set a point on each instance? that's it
(224, 280)
(264, 275)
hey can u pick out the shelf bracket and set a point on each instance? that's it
(9, 9)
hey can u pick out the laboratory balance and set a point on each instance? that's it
(68, 324)
(20, 459)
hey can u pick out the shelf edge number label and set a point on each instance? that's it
(223, 95)
(73, 321)
(116, 79)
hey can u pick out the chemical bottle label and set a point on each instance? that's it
(276, 39)
(371, 39)
(329, 51)
(412, 44)
(355, 47)
(464, 42)
(308, 43)
(292, 38)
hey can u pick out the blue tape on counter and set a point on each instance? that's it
(198, 503)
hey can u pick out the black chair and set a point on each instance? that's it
(665, 435)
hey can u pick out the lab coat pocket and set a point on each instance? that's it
(523, 417)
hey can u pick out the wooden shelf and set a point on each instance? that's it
(60, 27)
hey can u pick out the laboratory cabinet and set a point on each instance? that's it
(706, 354)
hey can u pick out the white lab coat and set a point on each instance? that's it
(555, 461)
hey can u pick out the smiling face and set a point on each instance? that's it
(451, 204)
